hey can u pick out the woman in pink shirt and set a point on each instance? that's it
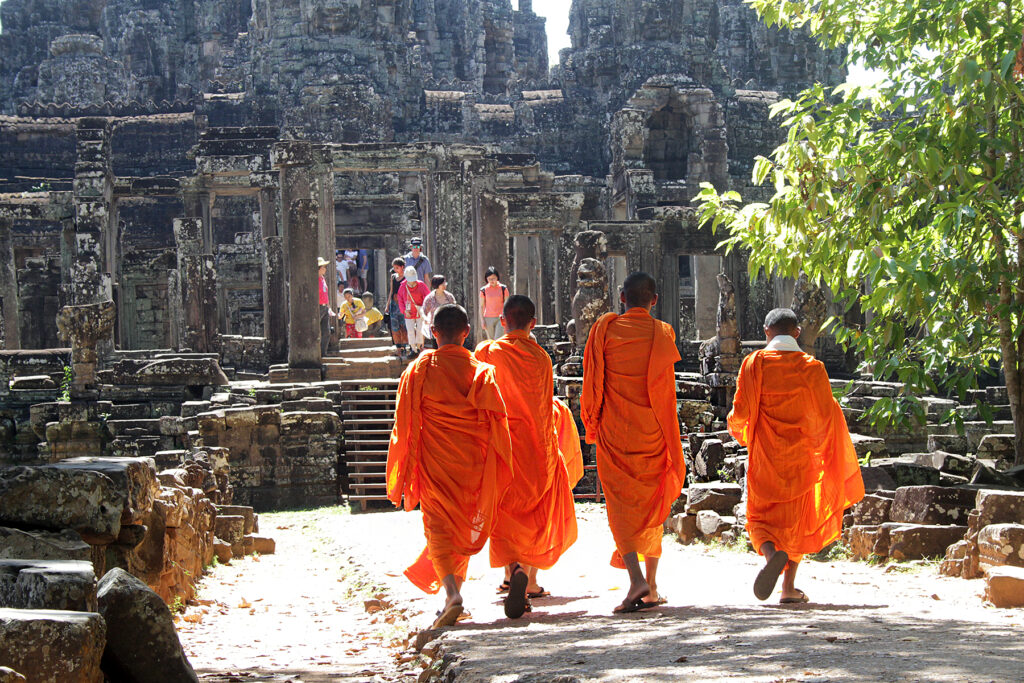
(410, 300)
(492, 301)
(326, 313)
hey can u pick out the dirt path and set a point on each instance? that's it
(866, 623)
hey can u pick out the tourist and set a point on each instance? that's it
(374, 317)
(492, 298)
(439, 296)
(399, 335)
(353, 312)
(326, 312)
(341, 266)
(535, 521)
(803, 471)
(363, 268)
(450, 453)
(411, 295)
(628, 406)
(353, 271)
(418, 260)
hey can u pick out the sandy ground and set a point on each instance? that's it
(307, 618)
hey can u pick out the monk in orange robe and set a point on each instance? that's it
(629, 410)
(568, 440)
(802, 471)
(536, 519)
(451, 454)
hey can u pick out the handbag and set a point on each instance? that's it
(361, 325)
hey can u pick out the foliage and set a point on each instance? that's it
(65, 384)
(906, 198)
(833, 552)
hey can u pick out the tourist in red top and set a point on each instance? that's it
(492, 301)
(325, 307)
(410, 299)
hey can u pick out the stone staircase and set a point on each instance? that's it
(368, 414)
(368, 358)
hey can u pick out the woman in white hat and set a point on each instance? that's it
(410, 300)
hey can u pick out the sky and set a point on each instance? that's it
(557, 14)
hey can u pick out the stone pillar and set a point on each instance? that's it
(322, 192)
(9, 288)
(275, 299)
(705, 293)
(198, 287)
(811, 307)
(84, 327)
(303, 292)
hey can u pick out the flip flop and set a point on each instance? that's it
(795, 601)
(516, 600)
(539, 594)
(447, 617)
(654, 603)
(766, 579)
(636, 605)
(503, 588)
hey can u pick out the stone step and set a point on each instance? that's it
(366, 497)
(365, 342)
(368, 453)
(364, 368)
(48, 584)
(369, 485)
(52, 645)
(366, 463)
(368, 352)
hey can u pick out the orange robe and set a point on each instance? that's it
(802, 471)
(629, 410)
(536, 519)
(450, 453)
(568, 441)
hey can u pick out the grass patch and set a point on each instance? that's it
(833, 552)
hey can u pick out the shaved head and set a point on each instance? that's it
(782, 321)
(450, 322)
(639, 289)
(519, 312)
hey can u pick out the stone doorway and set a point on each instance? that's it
(667, 145)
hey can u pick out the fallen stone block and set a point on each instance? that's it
(263, 545)
(960, 560)
(932, 505)
(872, 510)
(951, 443)
(48, 584)
(717, 496)
(916, 541)
(946, 462)
(1001, 545)
(876, 479)
(16, 544)
(247, 513)
(986, 475)
(996, 447)
(231, 528)
(685, 528)
(222, 551)
(873, 445)
(51, 646)
(62, 498)
(709, 460)
(861, 540)
(882, 538)
(1004, 586)
(999, 507)
(905, 472)
(950, 480)
(711, 524)
(135, 476)
(170, 372)
(142, 644)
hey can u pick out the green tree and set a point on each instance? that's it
(906, 197)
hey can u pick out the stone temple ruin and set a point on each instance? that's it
(171, 171)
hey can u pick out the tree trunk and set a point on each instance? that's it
(811, 307)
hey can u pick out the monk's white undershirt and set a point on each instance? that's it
(782, 342)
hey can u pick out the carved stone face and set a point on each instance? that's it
(590, 273)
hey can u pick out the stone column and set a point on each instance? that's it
(198, 287)
(303, 292)
(275, 303)
(9, 288)
(84, 327)
(705, 293)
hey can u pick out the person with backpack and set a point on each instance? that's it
(492, 301)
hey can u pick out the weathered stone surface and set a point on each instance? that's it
(50, 646)
(48, 584)
(876, 479)
(135, 476)
(946, 462)
(708, 461)
(10, 676)
(170, 372)
(1004, 586)
(231, 528)
(873, 445)
(950, 443)
(61, 498)
(711, 524)
(861, 540)
(248, 515)
(142, 644)
(985, 475)
(16, 544)
(222, 550)
(1001, 544)
(999, 507)
(996, 447)
(915, 541)
(872, 510)
(907, 473)
(684, 527)
(717, 496)
(264, 545)
(932, 505)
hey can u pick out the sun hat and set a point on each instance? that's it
(410, 274)
(321, 262)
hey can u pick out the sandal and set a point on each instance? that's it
(516, 601)
(766, 579)
(795, 601)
